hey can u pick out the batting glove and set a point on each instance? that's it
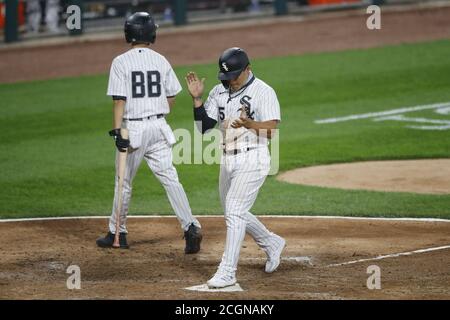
(121, 143)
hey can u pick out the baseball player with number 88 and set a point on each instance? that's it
(143, 87)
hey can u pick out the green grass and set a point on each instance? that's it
(57, 158)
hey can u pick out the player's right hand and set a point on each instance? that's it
(121, 143)
(195, 85)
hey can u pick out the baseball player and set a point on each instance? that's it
(247, 111)
(143, 87)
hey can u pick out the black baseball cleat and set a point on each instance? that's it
(108, 240)
(193, 237)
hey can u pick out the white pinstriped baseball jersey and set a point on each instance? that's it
(260, 102)
(146, 79)
(243, 174)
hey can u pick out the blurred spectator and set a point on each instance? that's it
(223, 6)
(52, 15)
(168, 17)
(254, 6)
(34, 15)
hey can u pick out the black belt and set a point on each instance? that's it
(158, 116)
(236, 151)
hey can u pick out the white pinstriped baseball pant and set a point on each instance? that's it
(241, 177)
(148, 140)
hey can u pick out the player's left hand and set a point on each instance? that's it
(121, 143)
(242, 121)
(196, 86)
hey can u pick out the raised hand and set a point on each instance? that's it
(195, 85)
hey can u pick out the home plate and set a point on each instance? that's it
(205, 288)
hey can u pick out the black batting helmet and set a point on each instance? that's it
(140, 28)
(231, 63)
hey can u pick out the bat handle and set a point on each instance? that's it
(116, 243)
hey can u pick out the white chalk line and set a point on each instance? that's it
(401, 117)
(393, 255)
(445, 126)
(444, 111)
(384, 113)
(217, 216)
(430, 127)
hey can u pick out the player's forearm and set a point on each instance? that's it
(201, 117)
(118, 109)
(262, 128)
(198, 102)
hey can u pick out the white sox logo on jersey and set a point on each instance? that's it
(245, 102)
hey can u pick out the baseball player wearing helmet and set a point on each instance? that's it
(143, 87)
(247, 111)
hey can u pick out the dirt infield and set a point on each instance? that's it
(417, 176)
(36, 254)
(294, 35)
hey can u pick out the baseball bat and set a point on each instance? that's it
(120, 174)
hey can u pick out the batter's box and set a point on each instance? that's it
(205, 288)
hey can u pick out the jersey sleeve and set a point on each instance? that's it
(172, 85)
(211, 105)
(269, 108)
(117, 81)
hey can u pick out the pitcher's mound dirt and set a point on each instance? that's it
(418, 176)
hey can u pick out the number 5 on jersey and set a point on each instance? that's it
(153, 84)
(222, 113)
